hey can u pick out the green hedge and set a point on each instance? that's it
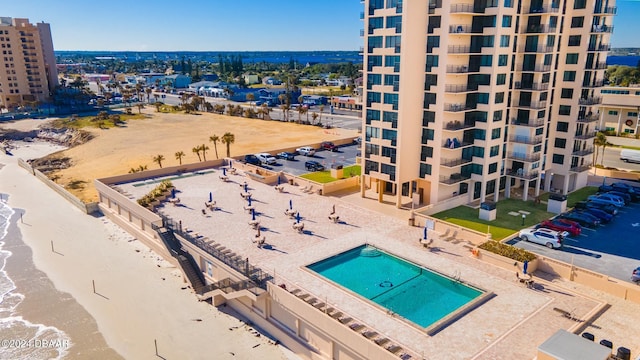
(155, 193)
(509, 251)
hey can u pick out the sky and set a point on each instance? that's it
(232, 25)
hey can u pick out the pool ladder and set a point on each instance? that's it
(457, 275)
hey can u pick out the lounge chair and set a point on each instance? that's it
(445, 234)
(259, 240)
(224, 178)
(335, 218)
(204, 212)
(248, 208)
(279, 188)
(453, 236)
(369, 334)
(310, 189)
(298, 227)
(356, 327)
(426, 242)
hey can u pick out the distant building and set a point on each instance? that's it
(177, 81)
(28, 58)
(151, 78)
(250, 79)
(268, 80)
(619, 109)
(209, 77)
(271, 96)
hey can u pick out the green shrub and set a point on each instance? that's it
(509, 251)
(155, 193)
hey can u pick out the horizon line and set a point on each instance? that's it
(356, 50)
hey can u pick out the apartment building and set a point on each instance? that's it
(466, 98)
(28, 71)
(619, 109)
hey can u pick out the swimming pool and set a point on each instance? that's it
(417, 294)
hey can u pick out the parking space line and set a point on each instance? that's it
(590, 229)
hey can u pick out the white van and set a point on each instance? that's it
(627, 155)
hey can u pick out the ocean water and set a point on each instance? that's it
(20, 338)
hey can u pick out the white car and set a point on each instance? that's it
(543, 236)
(306, 150)
(266, 159)
(607, 199)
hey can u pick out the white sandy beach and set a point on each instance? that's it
(141, 298)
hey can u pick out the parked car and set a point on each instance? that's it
(609, 209)
(286, 155)
(635, 275)
(306, 150)
(581, 218)
(572, 227)
(602, 215)
(633, 194)
(266, 158)
(624, 196)
(313, 165)
(628, 155)
(607, 199)
(619, 184)
(328, 145)
(547, 237)
(252, 159)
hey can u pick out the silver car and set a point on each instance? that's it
(266, 159)
(543, 236)
(306, 150)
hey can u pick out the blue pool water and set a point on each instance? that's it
(413, 292)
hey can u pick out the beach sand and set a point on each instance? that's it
(139, 299)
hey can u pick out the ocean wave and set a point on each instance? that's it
(13, 326)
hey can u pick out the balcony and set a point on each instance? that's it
(535, 140)
(455, 69)
(583, 152)
(601, 29)
(594, 100)
(458, 125)
(461, 29)
(453, 162)
(460, 88)
(458, 107)
(596, 84)
(462, 8)
(459, 49)
(520, 173)
(536, 68)
(455, 144)
(531, 86)
(607, 10)
(587, 118)
(585, 136)
(600, 66)
(523, 157)
(453, 179)
(536, 49)
(535, 105)
(601, 47)
(538, 29)
(581, 168)
(529, 123)
(544, 9)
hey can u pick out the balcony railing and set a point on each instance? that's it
(535, 140)
(545, 8)
(602, 47)
(454, 162)
(536, 49)
(523, 157)
(458, 107)
(460, 29)
(462, 8)
(601, 29)
(599, 83)
(529, 123)
(460, 88)
(459, 49)
(455, 69)
(520, 173)
(536, 105)
(459, 125)
(607, 10)
(453, 179)
(583, 152)
(532, 86)
(590, 100)
(455, 143)
(600, 66)
(584, 136)
(587, 118)
(538, 29)
(536, 68)
(581, 168)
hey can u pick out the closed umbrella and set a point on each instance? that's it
(253, 214)
(297, 217)
(278, 180)
(245, 187)
(249, 200)
(290, 204)
(525, 266)
(210, 196)
(425, 233)
(224, 172)
(173, 193)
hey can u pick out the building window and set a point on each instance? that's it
(558, 159)
(506, 21)
(634, 114)
(562, 126)
(613, 112)
(577, 21)
(501, 79)
(504, 40)
(493, 168)
(502, 60)
(495, 133)
(497, 115)
(574, 40)
(566, 93)
(372, 115)
(508, 3)
(426, 152)
(580, 4)
(569, 76)
(560, 143)
(392, 41)
(494, 151)
(499, 98)
(572, 59)
(425, 169)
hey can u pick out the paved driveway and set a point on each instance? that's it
(612, 249)
(345, 155)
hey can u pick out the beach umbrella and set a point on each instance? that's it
(333, 209)
(245, 187)
(258, 232)
(290, 204)
(230, 163)
(298, 217)
(525, 266)
(278, 180)
(173, 193)
(210, 196)
(253, 214)
(425, 233)
(224, 172)
(249, 200)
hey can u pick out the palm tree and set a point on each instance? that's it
(179, 156)
(214, 139)
(159, 159)
(281, 98)
(321, 110)
(300, 112)
(250, 98)
(230, 109)
(598, 141)
(604, 146)
(314, 116)
(148, 92)
(228, 139)
(196, 150)
(204, 148)
(265, 110)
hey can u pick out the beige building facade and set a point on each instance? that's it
(28, 71)
(465, 99)
(619, 109)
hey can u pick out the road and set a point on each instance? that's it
(612, 159)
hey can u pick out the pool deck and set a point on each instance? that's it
(510, 325)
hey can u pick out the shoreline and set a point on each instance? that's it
(139, 299)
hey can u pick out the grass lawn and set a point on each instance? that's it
(574, 197)
(88, 121)
(324, 177)
(505, 224)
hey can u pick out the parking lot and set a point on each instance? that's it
(346, 155)
(612, 249)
